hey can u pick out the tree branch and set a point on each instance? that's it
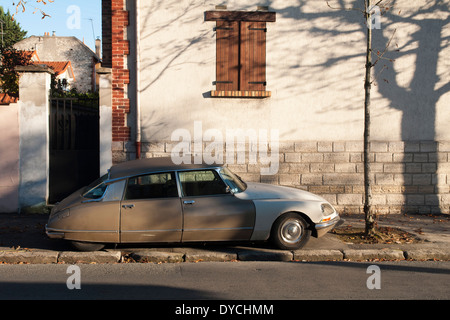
(380, 56)
(21, 4)
(378, 74)
(346, 9)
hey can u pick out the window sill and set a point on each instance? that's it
(240, 94)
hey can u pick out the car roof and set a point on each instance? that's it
(143, 166)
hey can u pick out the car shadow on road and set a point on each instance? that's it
(27, 231)
(18, 231)
(385, 265)
(22, 231)
(59, 291)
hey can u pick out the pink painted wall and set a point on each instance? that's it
(9, 158)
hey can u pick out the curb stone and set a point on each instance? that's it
(250, 255)
(318, 255)
(428, 254)
(32, 257)
(152, 256)
(157, 256)
(370, 254)
(70, 257)
(210, 256)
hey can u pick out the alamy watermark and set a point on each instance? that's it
(374, 280)
(74, 19)
(74, 280)
(374, 21)
(213, 146)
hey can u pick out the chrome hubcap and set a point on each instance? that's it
(291, 231)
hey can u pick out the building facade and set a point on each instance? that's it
(52, 48)
(278, 85)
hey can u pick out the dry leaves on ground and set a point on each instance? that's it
(383, 235)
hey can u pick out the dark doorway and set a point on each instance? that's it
(74, 145)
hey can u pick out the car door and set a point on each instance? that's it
(151, 209)
(97, 218)
(210, 211)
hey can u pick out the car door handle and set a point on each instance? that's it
(128, 206)
(188, 201)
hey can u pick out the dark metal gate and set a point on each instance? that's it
(74, 145)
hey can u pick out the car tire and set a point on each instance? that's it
(87, 246)
(290, 231)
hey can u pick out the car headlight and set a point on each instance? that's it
(327, 209)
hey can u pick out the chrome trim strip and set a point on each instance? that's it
(216, 229)
(51, 230)
(55, 234)
(135, 231)
(328, 223)
(178, 182)
(52, 234)
(143, 173)
(175, 171)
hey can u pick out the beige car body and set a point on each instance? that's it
(229, 216)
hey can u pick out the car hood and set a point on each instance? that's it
(260, 191)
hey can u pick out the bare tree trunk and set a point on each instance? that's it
(368, 212)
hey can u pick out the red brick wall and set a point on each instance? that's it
(115, 50)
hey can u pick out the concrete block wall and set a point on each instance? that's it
(407, 177)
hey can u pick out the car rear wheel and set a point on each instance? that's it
(290, 231)
(87, 246)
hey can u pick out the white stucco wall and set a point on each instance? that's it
(315, 71)
(34, 140)
(105, 113)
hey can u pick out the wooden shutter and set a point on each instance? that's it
(253, 56)
(227, 55)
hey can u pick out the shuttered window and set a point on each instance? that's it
(240, 53)
(227, 55)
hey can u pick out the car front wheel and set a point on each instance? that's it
(290, 232)
(87, 246)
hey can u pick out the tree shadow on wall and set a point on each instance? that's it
(417, 159)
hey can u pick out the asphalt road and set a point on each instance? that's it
(229, 281)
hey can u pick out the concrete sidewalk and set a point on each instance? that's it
(23, 240)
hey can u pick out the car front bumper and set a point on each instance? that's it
(53, 233)
(323, 227)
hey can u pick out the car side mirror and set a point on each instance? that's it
(228, 190)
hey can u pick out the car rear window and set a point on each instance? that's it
(202, 183)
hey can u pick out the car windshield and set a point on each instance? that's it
(235, 182)
(96, 189)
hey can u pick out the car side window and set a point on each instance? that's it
(97, 192)
(202, 183)
(151, 186)
(96, 189)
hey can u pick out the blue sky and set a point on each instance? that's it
(68, 18)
